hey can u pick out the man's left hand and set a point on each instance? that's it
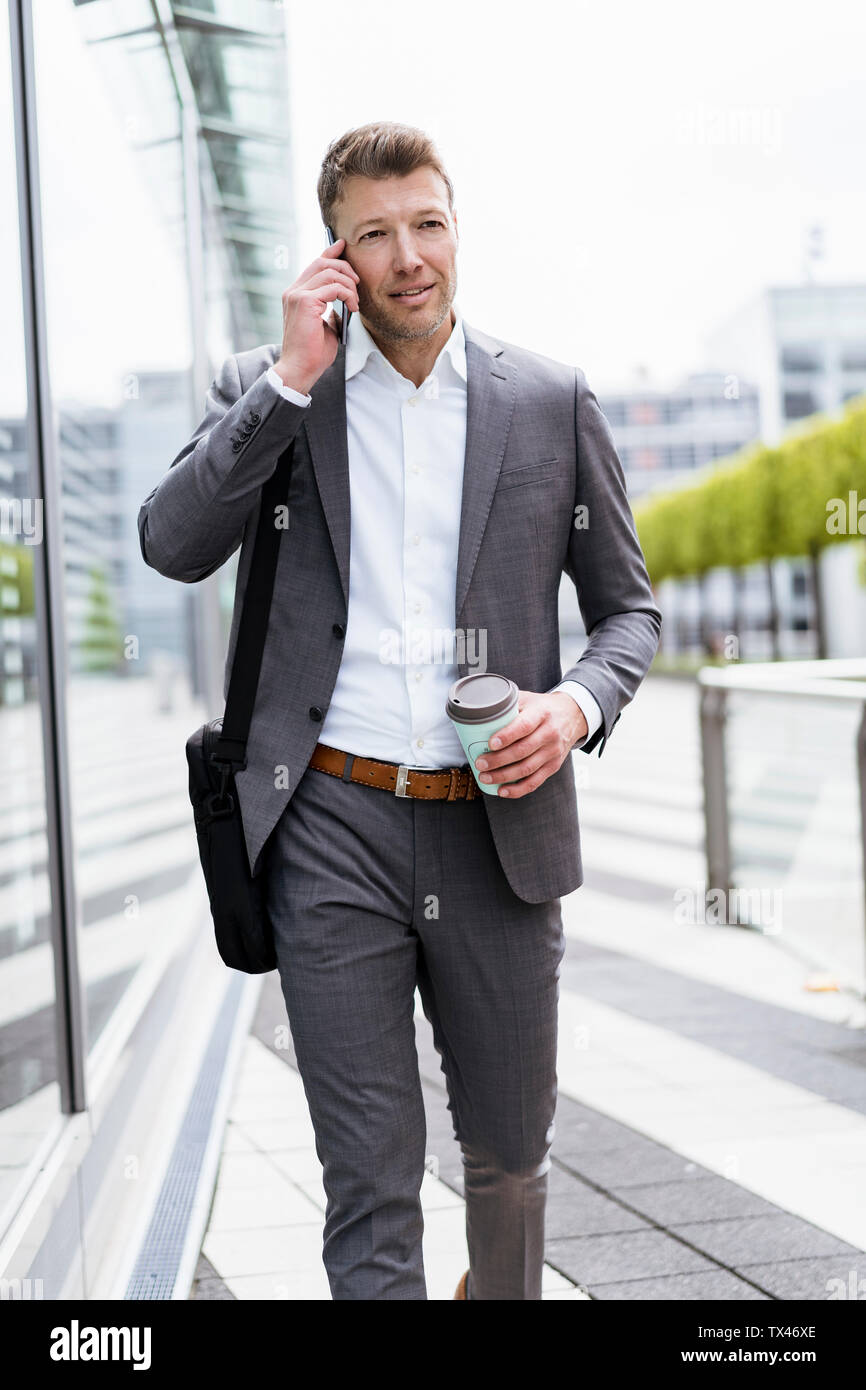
(535, 744)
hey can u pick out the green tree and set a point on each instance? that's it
(101, 643)
(762, 504)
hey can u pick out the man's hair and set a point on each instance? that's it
(379, 150)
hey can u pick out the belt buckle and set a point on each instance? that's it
(403, 770)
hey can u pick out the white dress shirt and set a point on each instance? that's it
(406, 455)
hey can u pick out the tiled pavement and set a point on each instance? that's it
(627, 1217)
(711, 1126)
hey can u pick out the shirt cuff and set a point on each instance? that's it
(287, 392)
(588, 704)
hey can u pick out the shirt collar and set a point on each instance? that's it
(360, 346)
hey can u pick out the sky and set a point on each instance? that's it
(625, 174)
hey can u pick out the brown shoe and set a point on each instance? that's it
(461, 1287)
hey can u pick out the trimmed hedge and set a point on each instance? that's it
(764, 503)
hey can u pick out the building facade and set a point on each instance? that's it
(805, 348)
(803, 345)
(790, 353)
(663, 436)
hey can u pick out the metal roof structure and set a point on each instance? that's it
(224, 62)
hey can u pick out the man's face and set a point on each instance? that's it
(400, 235)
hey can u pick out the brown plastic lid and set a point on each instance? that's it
(478, 698)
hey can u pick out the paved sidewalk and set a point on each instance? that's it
(264, 1239)
(711, 1125)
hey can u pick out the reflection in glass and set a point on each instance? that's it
(120, 358)
(795, 826)
(29, 1090)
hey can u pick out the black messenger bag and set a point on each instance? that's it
(244, 935)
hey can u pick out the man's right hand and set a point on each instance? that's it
(310, 341)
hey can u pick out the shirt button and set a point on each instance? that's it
(418, 675)
(417, 607)
(415, 468)
(414, 400)
(416, 540)
(419, 743)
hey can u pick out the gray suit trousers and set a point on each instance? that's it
(372, 895)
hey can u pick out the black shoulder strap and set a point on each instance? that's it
(231, 746)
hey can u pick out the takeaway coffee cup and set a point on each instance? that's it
(478, 705)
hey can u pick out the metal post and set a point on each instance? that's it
(861, 778)
(775, 643)
(817, 579)
(208, 642)
(716, 824)
(48, 575)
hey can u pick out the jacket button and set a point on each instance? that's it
(237, 444)
(338, 630)
(316, 714)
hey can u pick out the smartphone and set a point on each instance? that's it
(345, 313)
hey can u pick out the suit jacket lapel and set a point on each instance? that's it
(491, 393)
(325, 425)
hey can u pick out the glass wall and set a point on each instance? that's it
(29, 1091)
(120, 360)
(161, 240)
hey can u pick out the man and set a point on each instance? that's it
(442, 480)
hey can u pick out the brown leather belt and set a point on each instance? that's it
(428, 783)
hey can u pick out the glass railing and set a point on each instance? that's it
(784, 764)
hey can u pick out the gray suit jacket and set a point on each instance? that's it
(537, 447)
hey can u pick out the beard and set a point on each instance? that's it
(387, 323)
